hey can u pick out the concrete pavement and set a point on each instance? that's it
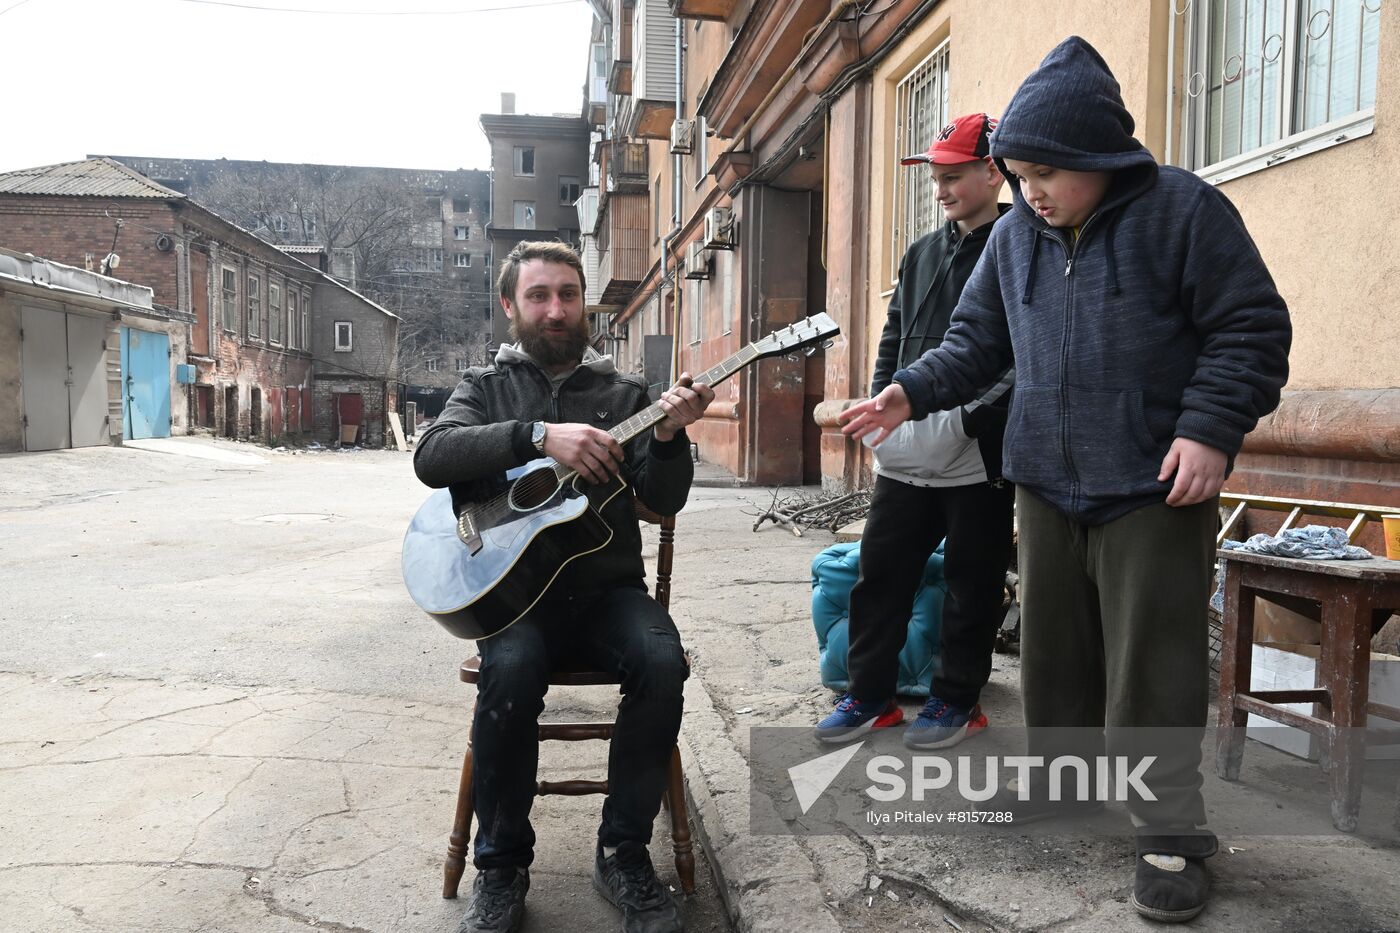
(222, 713)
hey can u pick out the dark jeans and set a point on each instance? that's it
(622, 631)
(1114, 634)
(902, 529)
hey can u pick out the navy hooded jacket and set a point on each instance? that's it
(1160, 321)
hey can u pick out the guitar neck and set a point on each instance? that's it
(653, 415)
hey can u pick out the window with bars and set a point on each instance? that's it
(921, 110)
(1269, 80)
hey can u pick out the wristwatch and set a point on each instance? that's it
(537, 432)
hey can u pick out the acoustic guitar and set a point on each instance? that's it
(479, 571)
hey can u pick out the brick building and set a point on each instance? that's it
(414, 240)
(248, 308)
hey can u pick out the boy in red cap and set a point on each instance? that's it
(936, 478)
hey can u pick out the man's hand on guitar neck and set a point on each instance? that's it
(590, 452)
(684, 403)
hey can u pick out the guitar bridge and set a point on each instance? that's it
(467, 533)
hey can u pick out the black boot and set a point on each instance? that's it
(1172, 881)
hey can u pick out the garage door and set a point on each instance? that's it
(63, 380)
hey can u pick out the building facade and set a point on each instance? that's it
(410, 239)
(791, 119)
(241, 365)
(539, 165)
(85, 360)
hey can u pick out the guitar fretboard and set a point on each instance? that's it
(653, 415)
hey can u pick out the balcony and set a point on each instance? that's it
(702, 9)
(623, 259)
(652, 108)
(620, 77)
(625, 166)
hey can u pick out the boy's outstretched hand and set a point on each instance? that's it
(883, 413)
(1199, 469)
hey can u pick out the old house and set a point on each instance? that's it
(247, 306)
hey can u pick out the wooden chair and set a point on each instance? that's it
(674, 798)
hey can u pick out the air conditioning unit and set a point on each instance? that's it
(682, 137)
(697, 261)
(719, 229)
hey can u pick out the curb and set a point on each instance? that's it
(769, 885)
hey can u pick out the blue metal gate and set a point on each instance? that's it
(145, 384)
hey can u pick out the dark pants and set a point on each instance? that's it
(623, 631)
(902, 529)
(1114, 633)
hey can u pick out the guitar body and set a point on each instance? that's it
(477, 585)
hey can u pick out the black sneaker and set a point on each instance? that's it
(628, 881)
(498, 901)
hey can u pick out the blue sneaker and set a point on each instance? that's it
(941, 725)
(852, 719)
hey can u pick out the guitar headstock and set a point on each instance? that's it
(808, 332)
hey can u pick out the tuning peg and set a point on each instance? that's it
(790, 357)
(828, 344)
(808, 351)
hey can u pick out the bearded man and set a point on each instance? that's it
(552, 395)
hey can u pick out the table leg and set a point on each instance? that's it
(1236, 646)
(1344, 670)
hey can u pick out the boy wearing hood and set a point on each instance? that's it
(1148, 340)
(551, 394)
(934, 478)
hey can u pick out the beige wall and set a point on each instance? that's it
(1315, 219)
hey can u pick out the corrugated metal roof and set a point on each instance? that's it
(89, 178)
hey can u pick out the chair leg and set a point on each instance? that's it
(680, 824)
(459, 843)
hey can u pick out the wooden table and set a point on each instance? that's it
(1349, 592)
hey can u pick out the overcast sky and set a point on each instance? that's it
(212, 79)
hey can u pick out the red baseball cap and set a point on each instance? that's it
(963, 140)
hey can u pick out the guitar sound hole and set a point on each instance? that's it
(533, 490)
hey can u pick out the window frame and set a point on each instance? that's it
(461, 260)
(432, 365)
(461, 233)
(293, 317)
(1193, 107)
(254, 305)
(274, 312)
(912, 192)
(228, 309)
(348, 345)
(518, 161)
(518, 220)
(567, 182)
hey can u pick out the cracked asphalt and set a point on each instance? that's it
(222, 713)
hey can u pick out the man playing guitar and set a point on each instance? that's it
(551, 394)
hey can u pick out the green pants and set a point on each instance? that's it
(1114, 633)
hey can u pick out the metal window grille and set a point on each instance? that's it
(1257, 72)
(921, 110)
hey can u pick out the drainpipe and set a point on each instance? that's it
(676, 203)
